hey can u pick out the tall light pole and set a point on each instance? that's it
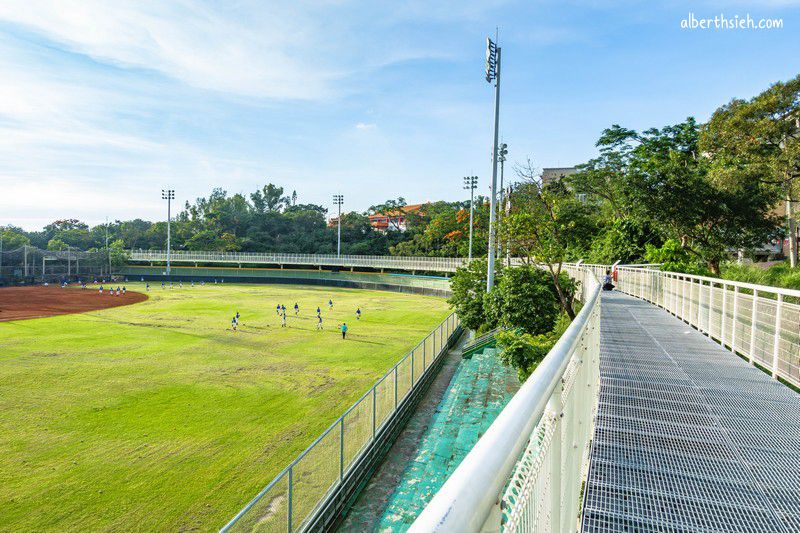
(168, 195)
(493, 74)
(108, 253)
(501, 157)
(338, 200)
(471, 183)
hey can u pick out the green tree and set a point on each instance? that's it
(525, 298)
(759, 140)
(524, 351)
(468, 286)
(668, 187)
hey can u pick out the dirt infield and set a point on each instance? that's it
(20, 303)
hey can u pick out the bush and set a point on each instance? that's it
(524, 351)
(524, 298)
(469, 289)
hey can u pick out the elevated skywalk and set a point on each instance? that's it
(688, 436)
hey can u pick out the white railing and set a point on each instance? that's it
(759, 322)
(525, 473)
(294, 497)
(428, 264)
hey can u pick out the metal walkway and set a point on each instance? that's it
(689, 437)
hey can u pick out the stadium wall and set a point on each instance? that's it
(414, 284)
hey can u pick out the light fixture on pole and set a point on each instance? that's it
(502, 153)
(471, 183)
(493, 74)
(338, 200)
(168, 195)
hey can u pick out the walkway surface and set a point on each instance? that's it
(435, 440)
(689, 437)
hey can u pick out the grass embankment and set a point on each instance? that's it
(157, 417)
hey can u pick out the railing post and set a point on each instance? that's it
(735, 317)
(374, 410)
(724, 315)
(289, 503)
(754, 316)
(341, 449)
(412, 368)
(776, 345)
(700, 306)
(683, 299)
(554, 407)
(710, 305)
(395, 388)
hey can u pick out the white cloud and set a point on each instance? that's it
(365, 127)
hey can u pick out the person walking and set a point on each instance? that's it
(344, 330)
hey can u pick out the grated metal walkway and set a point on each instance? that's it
(689, 437)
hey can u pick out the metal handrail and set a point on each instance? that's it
(468, 498)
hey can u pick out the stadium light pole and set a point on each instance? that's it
(168, 195)
(503, 151)
(338, 200)
(493, 74)
(471, 183)
(108, 253)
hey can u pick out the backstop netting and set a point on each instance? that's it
(28, 264)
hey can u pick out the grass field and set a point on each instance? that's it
(156, 416)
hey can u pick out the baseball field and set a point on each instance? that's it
(158, 416)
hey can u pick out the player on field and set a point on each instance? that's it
(330, 304)
(147, 286)
(234, 323)
(296, 309)
(278, 309)
(319, 322)
(318, 311)
(123, 290)
(358, 314)
(101, 289)
(283, 319)
(344, 330)
(283, 309)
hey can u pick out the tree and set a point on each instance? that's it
(667, 186)
(524, 351)
(759, 140)
(524, 298)
(269, 198)
(542, 226)
(13, 237)
(468, 286)
(394, 209)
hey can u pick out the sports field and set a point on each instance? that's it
(156, 416)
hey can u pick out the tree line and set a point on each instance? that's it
(268, 220)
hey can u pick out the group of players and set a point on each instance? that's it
(280, 310)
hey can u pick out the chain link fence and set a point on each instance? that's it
(290, 501)
(28, 265)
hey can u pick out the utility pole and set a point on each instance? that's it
(168, 195)
(338, 200)
(471, 183)
(502, 158)
(108, 253)
(493, 74)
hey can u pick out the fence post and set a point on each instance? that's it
(735, 318)
(289, 508)
(374, 410)
(776, 345)
(395, 388)
(752, 354)
(341, 449)
(554, 405)
(710, 305)
(724, 315)
(683, 299)
(412, 368)
(700, 306)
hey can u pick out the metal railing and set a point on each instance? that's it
(481, 341)
(760, 322)
(425, 264)
(291, 501)
(525, 473)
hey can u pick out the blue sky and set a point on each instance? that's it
(102, 104)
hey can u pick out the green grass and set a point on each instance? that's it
(156, 416)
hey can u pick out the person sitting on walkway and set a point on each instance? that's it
(608, 284)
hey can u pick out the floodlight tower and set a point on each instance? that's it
(471, 183)
(493, 74)
(338, 200)
(502, 153)
(168, 195)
